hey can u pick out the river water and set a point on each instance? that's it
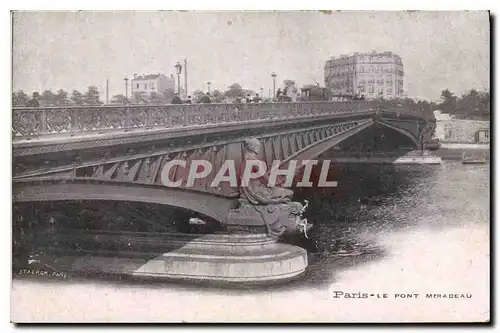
(388, 231)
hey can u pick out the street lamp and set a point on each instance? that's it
(273, 75)
(208, 85)
(178, 70)
(126, 89)
(261, 92)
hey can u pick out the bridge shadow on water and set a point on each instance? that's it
(369, 199)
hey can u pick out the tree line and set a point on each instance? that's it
(92, 97)
(216, 96)
(60, 98)
(471, 105)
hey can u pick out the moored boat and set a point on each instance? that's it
(473, 159)
(419, 157)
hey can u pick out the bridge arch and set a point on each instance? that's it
(65, 189)
(400, 130)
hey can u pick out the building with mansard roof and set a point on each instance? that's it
(375, 74)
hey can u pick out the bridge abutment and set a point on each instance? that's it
(237, 258)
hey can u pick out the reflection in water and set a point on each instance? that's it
(372, 201)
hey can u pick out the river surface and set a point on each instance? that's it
(387, 231)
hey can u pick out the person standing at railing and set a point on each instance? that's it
(176, 99)
(205, 99)
(256, 99)
(278, 94)
(188, 100)
(33, 102)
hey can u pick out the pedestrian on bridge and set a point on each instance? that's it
(205, 99)
(256, 99)
(33, 102)
(278, 94)
(176, 99)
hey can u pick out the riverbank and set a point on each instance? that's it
(456, 151)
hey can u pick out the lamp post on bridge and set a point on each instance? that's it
(273, 75)
(126, 89)
(178, 70)
(208, 86)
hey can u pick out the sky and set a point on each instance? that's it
(72, 50)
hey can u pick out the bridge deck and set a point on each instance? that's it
(185, 130)
(55, 124)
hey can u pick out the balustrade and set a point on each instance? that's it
(33, 122)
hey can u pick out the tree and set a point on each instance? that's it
(119, 99)
(217, 96)
(20, 98)
(473, 105)
(484, 104)
(197, 95)
(48, 98)
(91, 97)
(61, 97)
(35, 100)
(77, 97)
(234, 91)
(290, 84)
(448, 102)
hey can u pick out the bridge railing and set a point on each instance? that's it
(33, 122)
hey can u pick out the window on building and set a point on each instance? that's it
(145, 86)
(448, 131)
(389, 91)
(370, 89)
(137, 85)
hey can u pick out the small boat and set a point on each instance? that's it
(473, 159)
(419, 157)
